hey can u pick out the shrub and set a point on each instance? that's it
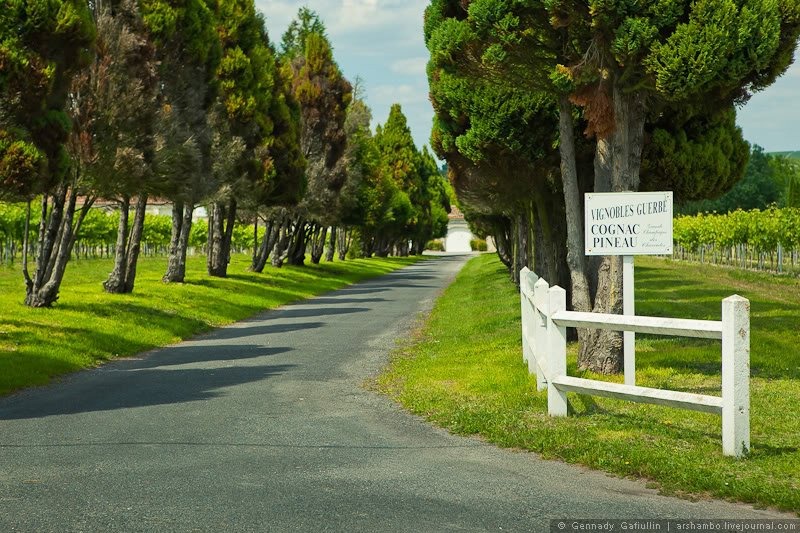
(478, 245)
(435, 246)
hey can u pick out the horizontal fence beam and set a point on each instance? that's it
(680, 400)
(702, 329)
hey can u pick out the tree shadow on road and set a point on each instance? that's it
(303, 312)
(256, 327)
(114, 388)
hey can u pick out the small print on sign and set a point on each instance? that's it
(628, 223)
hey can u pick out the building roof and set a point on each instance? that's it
(455, 213)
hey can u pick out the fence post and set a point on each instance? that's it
(735, 376)
(524, 316)
(557, 350)
(540, 342)
(533, 350)
(527, 279)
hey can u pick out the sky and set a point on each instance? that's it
(381, 42)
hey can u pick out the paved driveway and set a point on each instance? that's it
(265, 426)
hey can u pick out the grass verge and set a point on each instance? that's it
(464, 372)
(88, 326)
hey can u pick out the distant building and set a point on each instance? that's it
(162, 206)
(155, 206)
(458, 233)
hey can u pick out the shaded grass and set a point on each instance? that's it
(88, 326)
(465, 372)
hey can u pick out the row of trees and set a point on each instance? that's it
(653, 86)
(126, 100)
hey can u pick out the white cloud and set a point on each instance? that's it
(278, 14)
(413, 66)
(360, 15)
(344, 17)
(378, 40)
(403, 94)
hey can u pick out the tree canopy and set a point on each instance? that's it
(652, 85)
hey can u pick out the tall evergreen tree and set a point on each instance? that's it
(114, 110)
(323, 95)
(399, 167)
(188, 51)
(248, 77)
(611, 59)
(360, 160)
(42, 44)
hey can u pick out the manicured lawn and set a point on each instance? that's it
(88, 326)
(464, 372)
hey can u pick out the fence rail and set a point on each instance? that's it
(545, 320)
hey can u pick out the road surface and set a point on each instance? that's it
(266, 426)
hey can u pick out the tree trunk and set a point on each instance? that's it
(318, 236)
(281, 250)
(266, 246)
(521, 245)
(579, 284)
(213, 235)
(220, 234)
(368, 245)
(49, 225)
(58, 243)
(172, 257)
(331, 251)
(45, 224)
(255, 244)
(544, 263)
(382, 247)
(179, 243)
(299, 241)
(617, 166)
(628, 139)
(115, 283)
(25, 244)
(503, 242)
(601, 350)
(344, 239)
(135, 243)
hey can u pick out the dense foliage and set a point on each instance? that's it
(124, 102)
(652, 85)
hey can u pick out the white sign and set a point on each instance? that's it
(628, 223)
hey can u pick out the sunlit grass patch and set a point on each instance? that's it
(88, 326)
(465, 373)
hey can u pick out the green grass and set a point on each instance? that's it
(464, 371)
(88, 326)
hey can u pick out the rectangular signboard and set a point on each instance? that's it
(628, 223)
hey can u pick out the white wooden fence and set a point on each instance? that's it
(544, 342)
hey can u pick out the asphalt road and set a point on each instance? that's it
(265, 426)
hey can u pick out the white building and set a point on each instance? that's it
(458, 233)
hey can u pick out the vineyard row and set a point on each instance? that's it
(763, 240)
(98, 234)
(768, 239)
